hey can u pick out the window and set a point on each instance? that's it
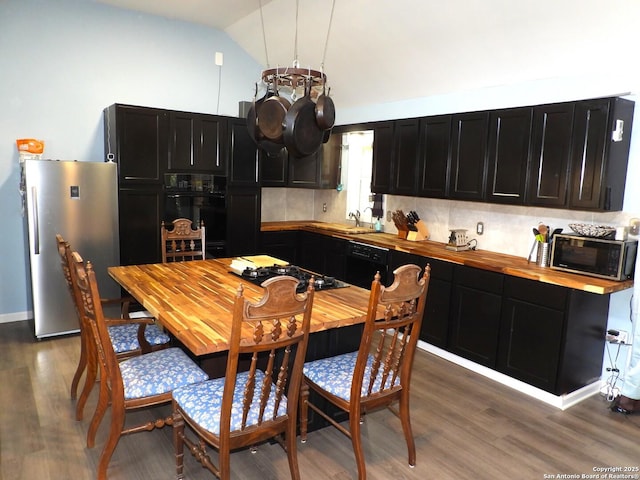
(357, 158)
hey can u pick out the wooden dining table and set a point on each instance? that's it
(193, 300)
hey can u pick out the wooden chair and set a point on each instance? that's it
(245, 408)
(379, 373)
(182, 242)
(128, 336)
(137, 382)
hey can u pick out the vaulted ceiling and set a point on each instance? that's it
(378, 51)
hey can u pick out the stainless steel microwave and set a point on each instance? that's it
(610, 259)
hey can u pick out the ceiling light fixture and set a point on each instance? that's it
(295, 111)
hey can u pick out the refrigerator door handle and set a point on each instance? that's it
(36, 221)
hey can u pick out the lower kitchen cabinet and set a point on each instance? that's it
(551, 337)
(322, 254)
(282, 245)
(435, 323)
(475, 314)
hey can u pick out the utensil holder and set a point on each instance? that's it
(544, 254)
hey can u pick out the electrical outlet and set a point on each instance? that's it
(324, 207)
(480, 228)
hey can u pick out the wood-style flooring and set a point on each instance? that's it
(466, 427)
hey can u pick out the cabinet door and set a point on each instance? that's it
(475, 315)
(140, 211)
(331, 162)
(382, 157)
(531, 332)
(509, 134)
(469, 155)
(435, 323)
(405, 164)
(274, 168)
(305, 171)
(550, 153)
(139, 142)
(243, 155)
(243, 221)
(282, 245)
(196, 143)
(435, 156)
(590, 138)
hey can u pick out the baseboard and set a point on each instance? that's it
(15, 317)
(559, 401)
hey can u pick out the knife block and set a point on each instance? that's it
(422, 232)
(403, 233)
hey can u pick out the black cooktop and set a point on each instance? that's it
(322, 282)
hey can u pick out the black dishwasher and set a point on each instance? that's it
(363, 261)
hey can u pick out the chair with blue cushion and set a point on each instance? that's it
(247, 407)
(137, 382)
(129, 336)
(379, 373)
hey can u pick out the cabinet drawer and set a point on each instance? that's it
(550, 296)
(481, 279)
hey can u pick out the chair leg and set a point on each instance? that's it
(304, 410)
(356, 441)
(82, 363)
(178, 443)
(89, 382)
(292, 452)
(103, 404)
(405, 419)
(224, 461)
(115, 430)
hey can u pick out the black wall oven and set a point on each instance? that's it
(199, 197)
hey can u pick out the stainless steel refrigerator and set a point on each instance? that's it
(78, 200)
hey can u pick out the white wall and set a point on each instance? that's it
(62, 62)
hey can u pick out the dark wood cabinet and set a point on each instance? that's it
(435, 156)
(551, 337)
(322, 254)
(550, 154)
(600, 152)
(196, 143)
(382, 157)
(475, 314)
(243, 155)
(274, 168)
(405, 157)
(243, 221)
(435, 323)
(282, 245)
(138, 139)
(140, 211)
(509, 139)
(469, 155)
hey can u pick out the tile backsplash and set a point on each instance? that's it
(507, 229)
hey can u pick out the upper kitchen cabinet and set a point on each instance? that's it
(196, 143)
(382, 157)
(550, 154)
(405, 157)
(435, 155)
(469, 155)
(138, 139)
(508, 151)
(600, 153)
(243, 155)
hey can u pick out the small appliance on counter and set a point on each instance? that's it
(458, 240)
(594, 256)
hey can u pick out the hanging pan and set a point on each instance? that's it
(271, 113)
(270, 147)
(302, 136)
(325, 110)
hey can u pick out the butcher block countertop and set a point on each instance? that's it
(482, 259)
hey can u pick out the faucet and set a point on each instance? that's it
(356, 217)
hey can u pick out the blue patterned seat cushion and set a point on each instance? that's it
(125, 337)
(335, 374)
(202, 402)
(158, 372)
